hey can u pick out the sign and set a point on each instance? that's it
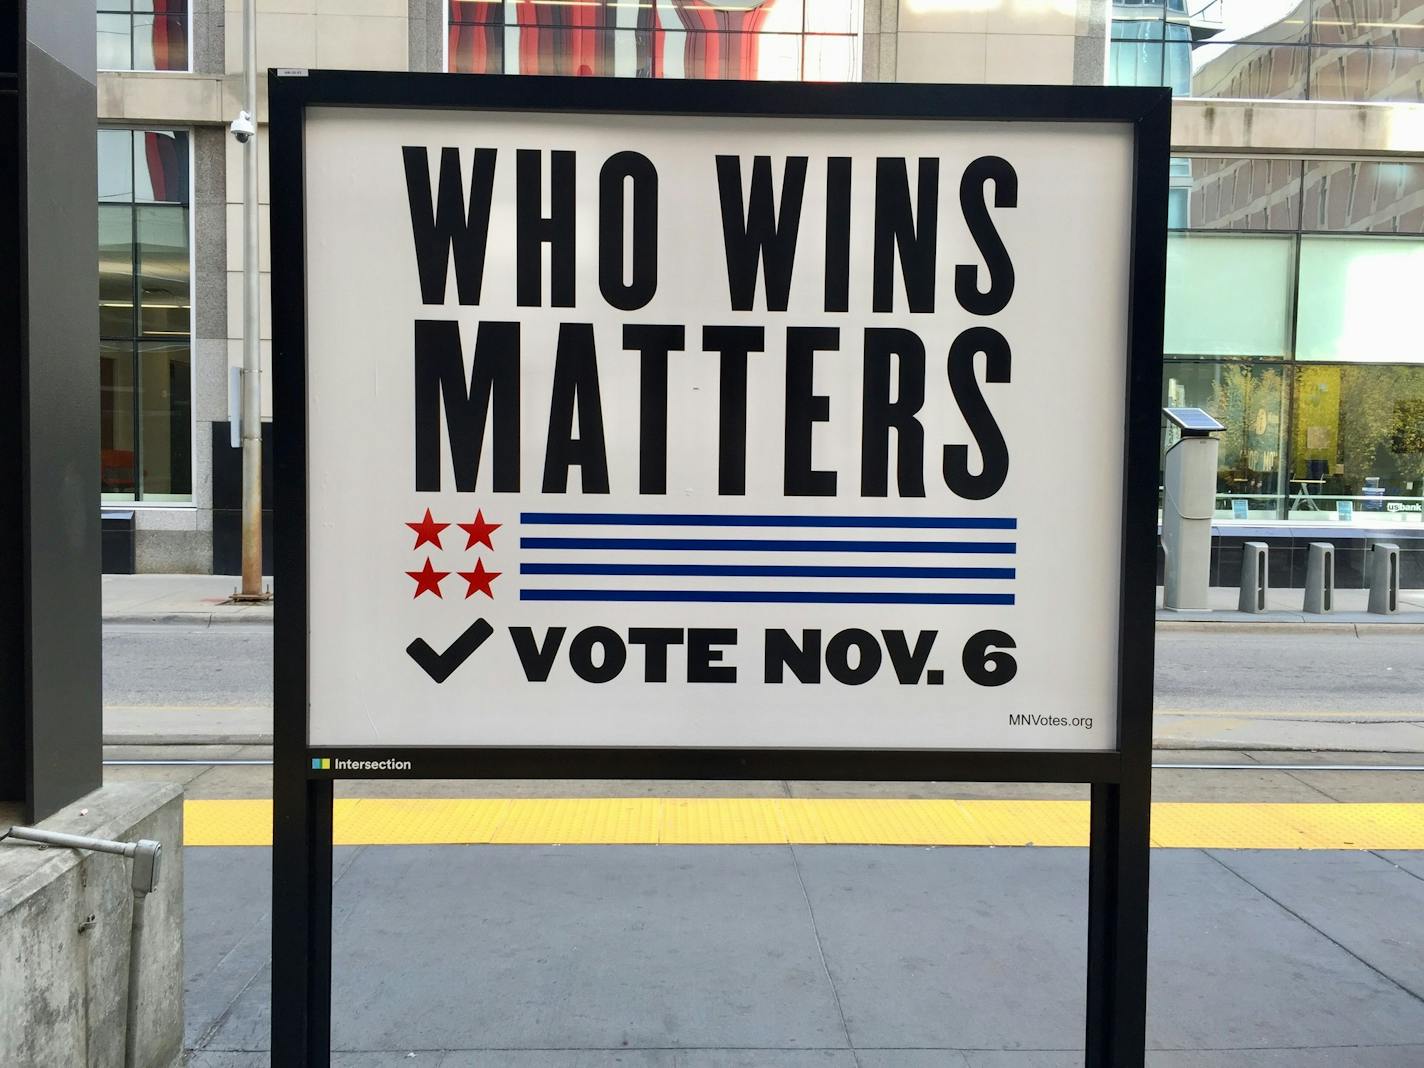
(714, 430)
(727, 431)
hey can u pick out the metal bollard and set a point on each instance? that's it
(1320, 578)
(1384, 578)
(1255, 571)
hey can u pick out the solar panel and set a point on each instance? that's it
(1192, 420)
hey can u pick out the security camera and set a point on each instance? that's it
(243, 127)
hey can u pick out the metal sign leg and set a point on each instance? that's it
(301, 922)
(1117, 926)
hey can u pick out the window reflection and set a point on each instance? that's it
(714, 39)
(145, 322)
(1348, 50)
(142, 34)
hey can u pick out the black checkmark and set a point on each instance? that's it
(440, 666)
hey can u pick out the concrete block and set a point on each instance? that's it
(174, 552)
(210, 378)
(1028, 59)
(233, 236)
(361, 42)
(64, 926)
(931, 16)
(1032, 16)
(939, 57)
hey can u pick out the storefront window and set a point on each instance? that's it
(142, 34)
(1358, 443)
(741, 39)
(1304, 342)
(145, 298)
(1248, 399)
(1228, 295)
(1359, 299)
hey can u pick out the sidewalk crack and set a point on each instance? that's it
(1394, 864)
(1329, 938)
(821, 953)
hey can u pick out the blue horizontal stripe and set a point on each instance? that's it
(642, 519)
(767, 596)
(770, 545)
(770, 571)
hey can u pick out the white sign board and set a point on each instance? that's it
(706, 431)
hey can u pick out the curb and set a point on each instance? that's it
(169, 741)
(191, 619)
(1291, 626)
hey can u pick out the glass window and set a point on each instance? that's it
(1364, 195)
(1250, 70)
(1133, 61)
(1381, 74)
(163, 283)
(1358, 441)
(145, 297)
(165, 407)
(1381, 24)
(1242, 194)
(1228, 295)
(142, 34)
(1359, 299)
(751, 39)
(1247, 398)
(118, 432)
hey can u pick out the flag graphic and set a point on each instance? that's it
(766, 559)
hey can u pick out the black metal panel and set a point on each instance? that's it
(227, 467)
(227, 541)
(13, 766)
(227, 501)
(60, 479)
(118, 552)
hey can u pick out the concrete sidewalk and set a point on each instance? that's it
(1285, 606)
(794, 956)
(192, 599)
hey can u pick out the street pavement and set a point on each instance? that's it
(1340, 688)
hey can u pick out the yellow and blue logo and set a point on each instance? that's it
(321, 763)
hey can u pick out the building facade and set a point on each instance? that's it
(1297, 205)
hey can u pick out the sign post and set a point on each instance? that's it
(716, 430)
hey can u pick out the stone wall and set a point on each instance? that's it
(64, 936)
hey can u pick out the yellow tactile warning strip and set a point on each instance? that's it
(811, 821)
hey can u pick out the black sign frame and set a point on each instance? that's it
(1120, 780)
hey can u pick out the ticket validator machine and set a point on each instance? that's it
(1189, 501)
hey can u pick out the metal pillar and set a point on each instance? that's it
(1384, 578)
(251, 328)
(1255, 576)
(1320, 578)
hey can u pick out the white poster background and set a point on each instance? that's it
(1062, 415)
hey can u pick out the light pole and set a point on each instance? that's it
(246, 134)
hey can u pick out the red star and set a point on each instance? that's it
(427, 578)
(427, 532)
(479, 532)
(479, 579)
